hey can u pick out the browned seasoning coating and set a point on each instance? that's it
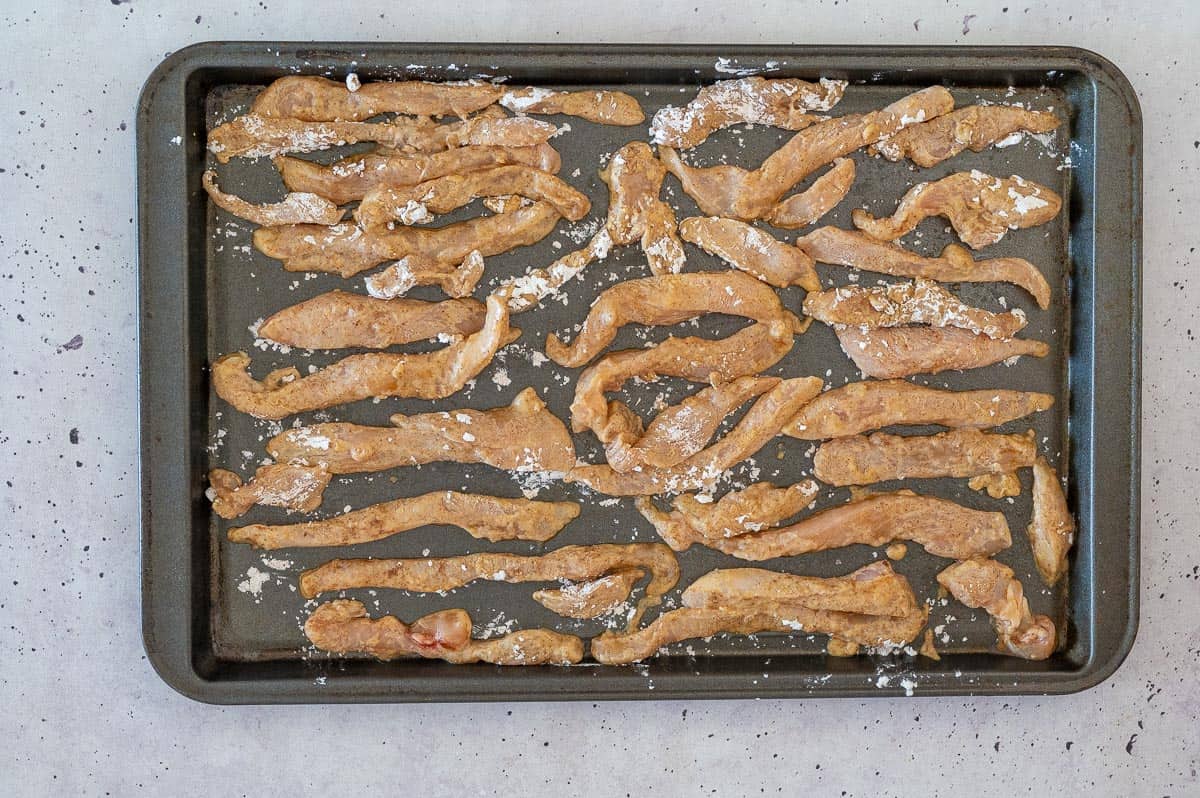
(1052, 528)
(752, 250)
(975, 127)
(294, 487)
(998, 486)
(892, 352)
(866, 459)
(991, 586)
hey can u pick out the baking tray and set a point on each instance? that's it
(221, 622)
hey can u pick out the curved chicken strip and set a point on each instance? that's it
(753, 509)
(315, 99)
(343, 627)
(918, 302)
(891, 352)
(667, 299)
(751, 194)
(777, 102)
(866, 459)
(525, 292)
(752, 250)
(976, 127)
(485, 517)
(591, 599)
(435, 375)
(955, 265)
(295, 208)
(748, 351)
(385, 205)
(681, 430)
(864, 406)
(1052, 529)
(980, 208)
(351, 178)
(427, 575)
(761, 423)
(295, 487)
(635, 213)
(412, 270)
(602, 107)
(346, 249)
(805, 208)
(340, 319)
(944, 528)
(991, 586)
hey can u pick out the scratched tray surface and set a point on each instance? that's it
(257, 613)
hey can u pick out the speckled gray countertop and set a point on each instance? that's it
(81, 711)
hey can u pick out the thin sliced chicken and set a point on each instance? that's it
(343, 627)
(866, 459)
(980, 208)
(865, 406)
(294, 487)
(591, 599)
(992, 587)
(316, 99)
(955, 265)
(413, 270)
(753, 509)
(975, 127)
(295, 208)
(525, 292)
(602, 107)
(752, 250)
(891, 352)
(635, 213)
(1052, 528)
(805, 208)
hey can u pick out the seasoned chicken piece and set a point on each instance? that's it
(865, 459)
(864, 406)
(777, 102)
(753, 509)
(992, 587)
(412, 270)
(762, 422)
(890, 352)
(980, 208)
(805, 208)
(427, 575)
(752, 250)
(681, 430)
(739, 193)
(485, 517)
(919, 302)
(295, 208)
(955, 265)
(351, 178)
(386, 205)
(667, 299)
(635, 213)
(295, 487)
(1052, 529)
(976, 127)
(591, 599)
(346, 249)
(525, 292)
(524, 436)
(435, 375)
(998, 486)
(316, 99)
(943, 528)
(343, 627)
(602, 107)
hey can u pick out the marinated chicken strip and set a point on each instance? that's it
(888, 353)
(635, 213)
(874, 589)
(777, 102)
(667, 299)
(352, 178)
(869, 405)
(943, 528)
(980, 208)
(343, 627)
(524, 436)
(744, 194)
(682, 430)
(991, 586)
(591, 599)
(975, 127)
(412, 270)
(574, 563)
(748, 351)
(346, 249)
(295, 487)
(484, 517)
(315, 99)
(752, 250)
(386, 205)
(602, 107)
(753, 509)
(805, 208)
(918, 302)
(866, 459)
(955, 265)
(1052, 529)
(434, 375)
(295, 208)
(761, 423)
(525, 292)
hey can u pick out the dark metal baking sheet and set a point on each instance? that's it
(222, 622)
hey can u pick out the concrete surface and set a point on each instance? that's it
(82, 712)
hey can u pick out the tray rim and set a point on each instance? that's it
(166, 592)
